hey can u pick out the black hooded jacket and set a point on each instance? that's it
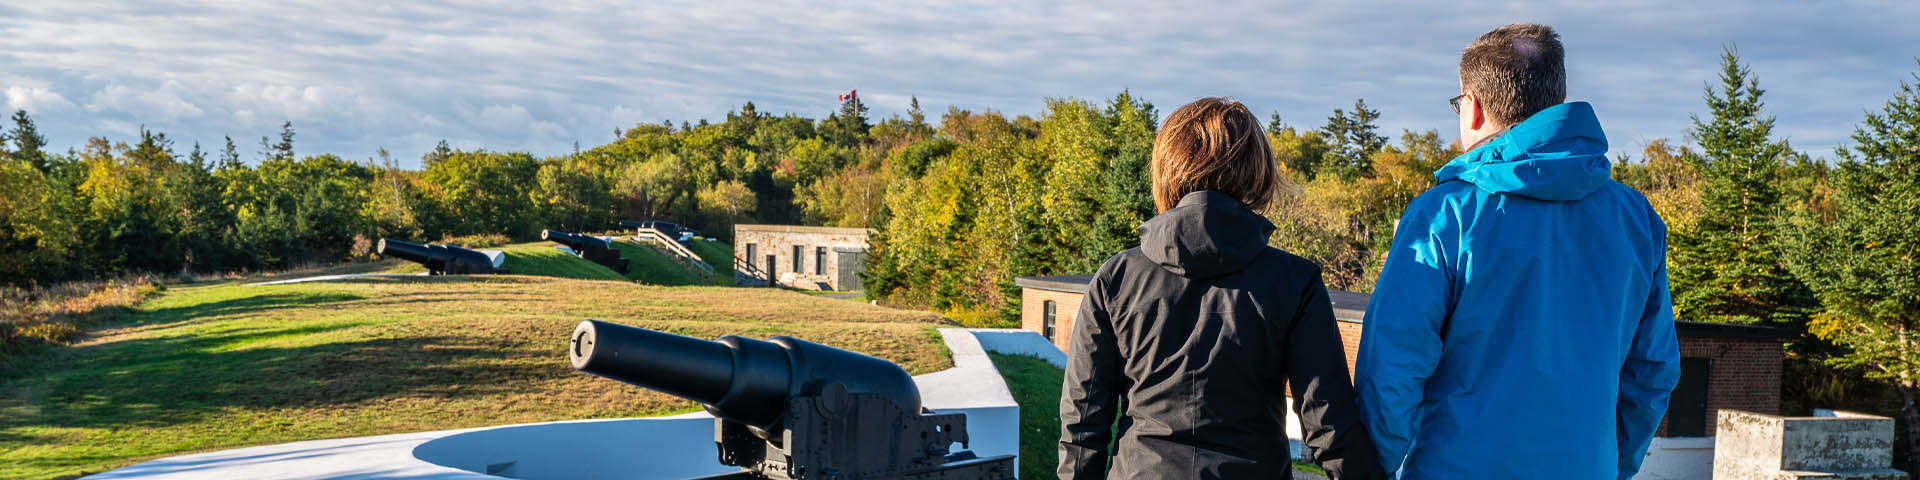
(1200, 331)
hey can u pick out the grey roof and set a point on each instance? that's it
(1057, 283)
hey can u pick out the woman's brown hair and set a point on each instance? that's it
(1213, 144)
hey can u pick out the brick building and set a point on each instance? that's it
(811, 258)
(1722, 366)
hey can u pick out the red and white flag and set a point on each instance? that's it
(850, 95)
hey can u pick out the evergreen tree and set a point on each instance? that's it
(284, 149)
(206, 219)
(1862, 258)
(1353, 139)
(28, 144)
(849, 126)
(441, 152)
(1728, 268)
(914, 114)
(229, 156)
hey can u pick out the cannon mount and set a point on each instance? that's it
(789, 409)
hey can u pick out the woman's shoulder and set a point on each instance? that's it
(1280, 261)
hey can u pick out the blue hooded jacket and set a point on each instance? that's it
(1522, 327)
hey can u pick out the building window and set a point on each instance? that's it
(751, 254)
(819, 260)
(1047, 311)
(796, 259)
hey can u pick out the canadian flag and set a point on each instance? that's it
(850, 95)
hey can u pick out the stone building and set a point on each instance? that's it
(1722, 367)
(811, 258)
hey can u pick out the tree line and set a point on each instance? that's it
(1760, 233)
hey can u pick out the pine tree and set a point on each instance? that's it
(229, 156)
(1353, 138)
(1862, 258)
(27, 141)
(441, 152)
(1729, 267)
(284, 149)
(914, 114)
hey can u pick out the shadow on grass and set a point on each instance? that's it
(242, 305)
(166, 381)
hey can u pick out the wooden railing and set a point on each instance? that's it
(676, 251)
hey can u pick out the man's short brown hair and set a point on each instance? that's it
(1515, 71)
(1213, 144)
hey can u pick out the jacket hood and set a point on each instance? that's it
(1208, 234)
(1559, 154)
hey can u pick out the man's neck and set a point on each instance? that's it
(1489, 138)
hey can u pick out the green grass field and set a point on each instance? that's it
(221, 365)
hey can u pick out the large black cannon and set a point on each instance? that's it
(786, 408)
(594, 249)
(440, 259)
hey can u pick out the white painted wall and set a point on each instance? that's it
(1678, 458)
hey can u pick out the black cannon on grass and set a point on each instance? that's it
(594, 249)
(440, 259)
(786, 408)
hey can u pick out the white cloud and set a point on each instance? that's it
(143, 103)
(356, 75)
(37, 99)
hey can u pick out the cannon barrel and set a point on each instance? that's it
(575, 241)
(439, 259)
(412, 252)
(736, 378)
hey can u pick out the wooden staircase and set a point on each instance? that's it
(671, 245)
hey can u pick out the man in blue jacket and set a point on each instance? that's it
(1521, 327)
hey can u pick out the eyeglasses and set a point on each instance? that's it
(1455, 101)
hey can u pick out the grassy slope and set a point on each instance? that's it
(717, 254)
(1036, 387)
(215, 366)
(547, 261)
(649, 266)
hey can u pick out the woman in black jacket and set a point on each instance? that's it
(1200, 331)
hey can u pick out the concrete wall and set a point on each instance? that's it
(1754, 446)
(779, 240)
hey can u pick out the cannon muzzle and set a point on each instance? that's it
(737, 378)
(575, 241)
(439, 259)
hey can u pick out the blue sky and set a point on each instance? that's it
(354, 76)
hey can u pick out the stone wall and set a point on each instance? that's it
(1840, 445)
(779, 240)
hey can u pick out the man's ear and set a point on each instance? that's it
(1479, 116)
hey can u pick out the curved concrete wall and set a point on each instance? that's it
(661, 447)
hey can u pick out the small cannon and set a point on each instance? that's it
(785, 408)
(440, 259)
(594, 249)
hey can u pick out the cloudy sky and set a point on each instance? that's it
(354, 76)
